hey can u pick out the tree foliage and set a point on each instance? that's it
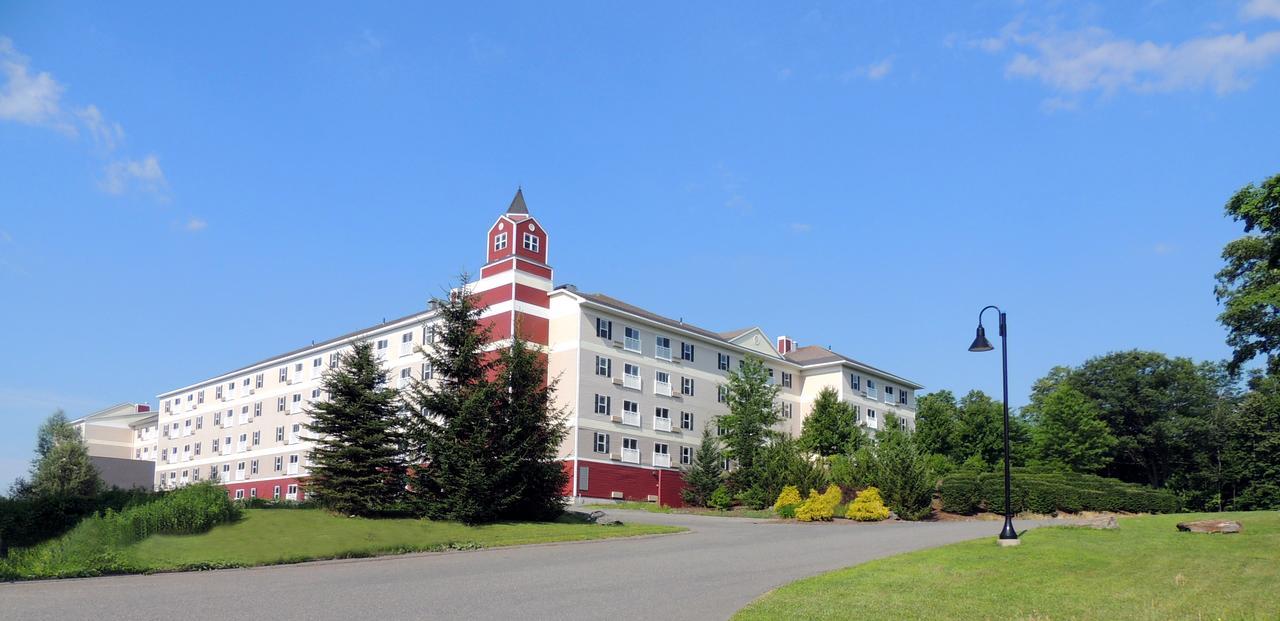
(1068, 431)
(706, 474)
(749, 423)
(62, 467)
(358, 465)
(831, 426)
(1253, 451)
(1249, 284)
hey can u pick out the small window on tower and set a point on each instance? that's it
(500, 241)
(530, 242)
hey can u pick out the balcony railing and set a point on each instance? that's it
(662, 424)
(662, 353)
(662, 388)
(295, 407)
(631, 418)
(632, 381)
(292, 469)
(662, 460)
(227, 422)
(239, 475)
(631, 456)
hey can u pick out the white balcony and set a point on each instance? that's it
(632, 381)
(295, 407)
(186, 456)
(228, 421)
(630, 456)
(226, 449)
(292, 468)
(294, 438)
(406, 348)
(381, 355)
(661, 424)
(240, 447)
(239, 475)
(662, 388)
(631, 418)
(662, 460)
(662, 353)
(293, 496)
(631, 344)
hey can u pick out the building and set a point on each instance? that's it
(637, 387)
(122, 443)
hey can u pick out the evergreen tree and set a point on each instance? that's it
(831, 425)
(706, 475)
(749, 423)
(902, 473)
(1069, 432)
(358, 466)
(452, 419)
(62, 467)
(527, 437)
(936, 425)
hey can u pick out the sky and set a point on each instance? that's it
(188, 189)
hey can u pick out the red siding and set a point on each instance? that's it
(634, 482)
(532, 295)
(532, 268)
(496, 268)
(266, 488)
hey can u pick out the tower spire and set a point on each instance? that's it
(517, 203)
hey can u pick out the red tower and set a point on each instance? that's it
(516, 280)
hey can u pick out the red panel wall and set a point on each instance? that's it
(266, 488)
(635, 483)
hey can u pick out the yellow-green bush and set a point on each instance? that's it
(867, 507)
(789, 496)
(820, 507)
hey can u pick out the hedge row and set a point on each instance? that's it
(1048, 492)
(25, 522)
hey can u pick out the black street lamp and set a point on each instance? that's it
(1008, 536)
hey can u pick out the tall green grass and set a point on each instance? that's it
(96, 546)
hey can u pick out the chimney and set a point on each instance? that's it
(786, 345)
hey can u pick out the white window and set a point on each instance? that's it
(406, 374)
(604, 328)
(380, 349)
(426, 371)
(280, 404)
(292, 493)
(686, 351)
(317, 367)
(631, 413)
(275, 492)
(333, 360)
(602, 404)
(253, 492)
(604, 366)
(239, 494)
(257, 411)
(722, 393)
(531, 242)
(662, 419)
(279, 464)
(257, 438)
(279, 435)
(686, 386)
(786, 380)
(632, 340)
(631, 376)
(406, 343)
(686, 455)
(661, 454)
(500, 241)
(600, 442)
(888, 394)
(902, 396)
(257, 381)
(284, 373)
(871, 389)
(786, 409)
(631, 450)
(662, 383)
(855, 381)
(722, 362)
(686, 420)
(662, 349)
(253, 467)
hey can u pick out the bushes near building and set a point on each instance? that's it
(867, 506)
(1048, 492)
(819, 507)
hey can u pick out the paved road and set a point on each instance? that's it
(708, 573)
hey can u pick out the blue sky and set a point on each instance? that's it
(184, 190)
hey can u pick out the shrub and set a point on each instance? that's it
(27, 521)
(852, 471)
(790, 496)
(867, 507)
(819, 507)
(902, 474)
(753, 497)
(1048, 492)
(787, 511)
(720, 499)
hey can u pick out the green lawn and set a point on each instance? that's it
(653, 507)
(1143, 570)
(271, 536)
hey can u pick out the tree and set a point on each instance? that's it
(782, 462)
(62, 467)
(1254, 447)
(936, 425)
(358, 466)
(902, 473)
(831, 425)
(1069, 432)
(706, 474)
(749, 423)
(528, 436)
(1249, 284)
(452, 426)
(980, 428)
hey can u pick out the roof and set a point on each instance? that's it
(811, 355)
(604, 300)
(733, 334)
(517, 204)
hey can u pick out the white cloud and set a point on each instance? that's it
(106, 133)
(26, 98)
(1093, 59)
(1261, 9)
(872, 71)
(801, 227)
(195, 224)
(144, 175)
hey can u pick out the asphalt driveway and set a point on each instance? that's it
(707, 573)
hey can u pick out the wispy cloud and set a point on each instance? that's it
(871, 71)
(1093, 59)
(31, 99)
(1261, 9)
(144, 175)
(801, 227)
(731, 184)
(106, 134)
(194, 225)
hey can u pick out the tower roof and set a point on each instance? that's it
(517, 204)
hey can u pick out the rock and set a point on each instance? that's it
(1101, 523)
(1210, 526)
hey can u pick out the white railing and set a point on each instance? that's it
(631, 344)
(662, 388)
(406, 348)
(240, 447)
(662, 353)
(631, 418)
(662, 424)
(662, 460)
(295, 407)
(292, 469)
(631, 456)
(293, 438)
(317, 371)
(632, 381)
(226, 449)
(228, 421)
(239, 475)
(293, 496)
(381, 355)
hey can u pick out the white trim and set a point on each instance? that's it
(518, 306)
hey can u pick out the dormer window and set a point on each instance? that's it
(530, 242)
(500, 241)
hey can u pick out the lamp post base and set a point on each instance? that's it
(1004, 543)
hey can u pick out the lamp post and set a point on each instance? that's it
(1008, 536)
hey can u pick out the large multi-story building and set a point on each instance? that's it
(121, 441)
(637, 387)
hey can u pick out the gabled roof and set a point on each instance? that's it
(812, 355)
(733, 334)
(517, 204)
(604, 300)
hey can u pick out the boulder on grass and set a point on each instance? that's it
(1210, 526)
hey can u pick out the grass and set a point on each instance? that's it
(653, 507)
(275, 536)
(1143, 570)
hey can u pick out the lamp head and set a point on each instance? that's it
(980, 342)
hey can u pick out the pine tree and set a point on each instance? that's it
(527, 437)
(831, 426)
(903, 475)
(62, 467)
(1070, 433)
(749, 423)
(706, 475)
(452, 419)
(358, 464)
